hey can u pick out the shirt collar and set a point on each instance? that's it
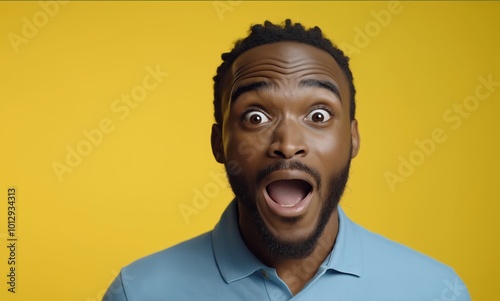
(235, 261)
(347, 254)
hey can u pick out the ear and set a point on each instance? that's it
(355, 139)
(216, 141)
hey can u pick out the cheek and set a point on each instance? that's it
(332, 147)
(246, 147)
(335, 142)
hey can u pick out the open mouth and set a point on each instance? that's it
(288, 193)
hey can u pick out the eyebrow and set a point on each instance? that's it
(321, 84)
(249, 88)
(262, 85)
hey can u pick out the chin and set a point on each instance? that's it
(284, 244)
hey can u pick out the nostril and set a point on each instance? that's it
(300, 152)
(280, 154)
(284, 155)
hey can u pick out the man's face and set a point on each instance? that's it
(286, 140)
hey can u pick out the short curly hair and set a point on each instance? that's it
(269, 33)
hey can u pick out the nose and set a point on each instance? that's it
(287, 141)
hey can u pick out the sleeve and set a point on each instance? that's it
(460, 290)
(452, 288)
(116, 291)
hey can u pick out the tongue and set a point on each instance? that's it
(288, 192)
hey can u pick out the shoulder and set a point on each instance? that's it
(185, 254)
(381, 251)
(406, 270)
(174, 267)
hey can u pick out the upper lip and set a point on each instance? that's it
(287, 174)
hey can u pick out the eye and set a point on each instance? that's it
(255, 117)
(319, 116)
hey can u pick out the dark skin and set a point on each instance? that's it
(287, 101)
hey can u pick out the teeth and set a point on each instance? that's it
(289, 206)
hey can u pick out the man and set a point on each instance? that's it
(286, 132)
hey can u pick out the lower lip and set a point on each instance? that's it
(291, 211)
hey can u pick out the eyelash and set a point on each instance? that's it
(254, 108)
(259, 109)
(323, 107)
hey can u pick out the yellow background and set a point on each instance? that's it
(123, 200)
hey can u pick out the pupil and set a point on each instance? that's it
(318, 117)
(256, 119)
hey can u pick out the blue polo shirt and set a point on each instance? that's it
(218, 266)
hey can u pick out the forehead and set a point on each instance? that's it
(285, 64)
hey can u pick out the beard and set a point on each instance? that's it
(276, 246)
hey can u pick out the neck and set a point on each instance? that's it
(296, 273)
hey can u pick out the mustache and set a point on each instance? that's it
(289, 165)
